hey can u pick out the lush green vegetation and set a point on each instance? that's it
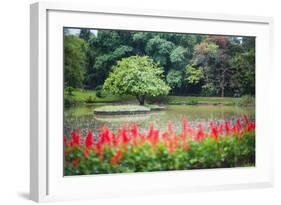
(79, 96)
(120, 72)
(189, 64)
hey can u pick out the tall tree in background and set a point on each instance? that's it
(74, 61)
(213, 57)
(243, 67)
(85, 34)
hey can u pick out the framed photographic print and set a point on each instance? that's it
(127, 102)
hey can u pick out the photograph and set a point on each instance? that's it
(147, 101)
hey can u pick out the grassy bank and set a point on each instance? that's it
(190, 100)
(89, 96)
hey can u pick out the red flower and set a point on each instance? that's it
(220, 128)
(114, 139)
(104, 135)
(251, 126)
(116, 157)
(153, 134)
(65, 140)
(150, 131)
(227, 127)
(134, 130)
(165, 136)
(89, 139)
(99, 150)
(200, 133)
(75, 161)
(123, 133)
(214, 131)
(75, 138)
(246, 119)
(234, 129)
(239, 124)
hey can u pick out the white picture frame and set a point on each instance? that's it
(47, 182)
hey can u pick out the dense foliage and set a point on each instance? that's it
(128, 150)
(137, 76)
(206, 65)
(74, 61)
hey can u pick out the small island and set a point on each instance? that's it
(126, 109)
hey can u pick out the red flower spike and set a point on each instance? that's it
(134, 130)
(200, 133)
(214, 131)
(220, 128)
(89, 139)
(75, 138)
(116, 157)
(246, 119)
(123, 133)
(99, 150)
(104, 135)
(239, 124)
(227, 127)
(65, 140)
(114, 139)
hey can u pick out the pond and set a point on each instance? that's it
(83, 117)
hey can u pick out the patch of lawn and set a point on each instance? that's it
(80, 96)
(191, 100)
(121, 110)
(112, 108)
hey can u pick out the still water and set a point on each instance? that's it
(83, 118)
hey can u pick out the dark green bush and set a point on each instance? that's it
(100, 93)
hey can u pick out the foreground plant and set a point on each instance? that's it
(128, 150)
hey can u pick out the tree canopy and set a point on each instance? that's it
(74, 61)
(139, 76)
(194, 64)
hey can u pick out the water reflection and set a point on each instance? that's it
(82, 117)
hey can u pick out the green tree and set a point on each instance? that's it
(174, 78)
(138, 76)
(178, 57)
(85, 34)
(74, 61)
(193, 75)
(211, 55)
(159, 49)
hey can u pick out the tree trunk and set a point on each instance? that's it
(222, 92)
(141, 99)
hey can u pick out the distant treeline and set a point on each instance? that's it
(193, 64)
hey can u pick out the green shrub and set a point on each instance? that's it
(157, 99)
(100, 93)
(208, 90)
(246, 100)
(69, 91)
(69, 100)
(90, 99)
(192, 102)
